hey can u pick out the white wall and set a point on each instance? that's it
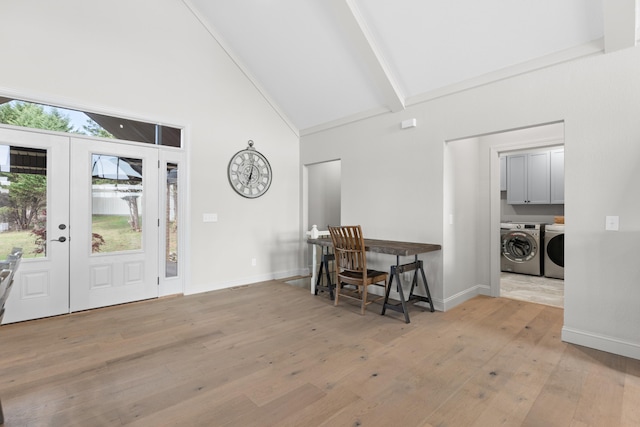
(388, 178)
(596, 97)
(462, 206)
(160, 64)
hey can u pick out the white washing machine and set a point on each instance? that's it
(521, 247)
(554, 251)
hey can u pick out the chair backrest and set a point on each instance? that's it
(7, 274)
(348, 246)
(6, 277)
(14, 258)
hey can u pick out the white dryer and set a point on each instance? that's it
(554, 251)
(521, 248)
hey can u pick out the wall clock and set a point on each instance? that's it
(249, 172)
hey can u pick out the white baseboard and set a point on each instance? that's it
(601, 342)
(207, 287)
(484, 290)
(460, 297)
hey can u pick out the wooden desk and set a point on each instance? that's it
(388, 247)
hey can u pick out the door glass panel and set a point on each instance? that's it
(171, 244)
(116, 213)
(23, 200)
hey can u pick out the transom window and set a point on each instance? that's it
(40, 116)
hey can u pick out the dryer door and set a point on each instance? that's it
(555, 249)
(519, 246)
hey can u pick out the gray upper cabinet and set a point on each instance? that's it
(503, 173)
(528, 178)
(557, 176)
(517, 179)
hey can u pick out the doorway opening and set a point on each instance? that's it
(321, 204)
(324, 191)
(475, 194)
(532, 222)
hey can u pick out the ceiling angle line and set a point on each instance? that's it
(243, 69)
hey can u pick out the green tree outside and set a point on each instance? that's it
(94, 129)
(30, 115)
(23, 201)
(27, 198)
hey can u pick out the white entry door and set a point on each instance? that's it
(36, 161)
(115, 220)
(99, 213)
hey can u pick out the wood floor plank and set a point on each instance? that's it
(323, 409)
(631, 397)
(271, 354)
(557, 402)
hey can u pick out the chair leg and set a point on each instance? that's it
(364, 299)
(337, 292)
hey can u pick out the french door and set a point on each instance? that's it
(101, 219)
(41, 284)
(114, 220)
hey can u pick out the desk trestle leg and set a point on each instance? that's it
(401, 307)
(426, 298)
(324, 264)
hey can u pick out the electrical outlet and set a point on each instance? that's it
(254, 262)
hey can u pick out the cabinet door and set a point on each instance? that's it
(538, 186)
(517, 179)
(503, 173)
(557, 176)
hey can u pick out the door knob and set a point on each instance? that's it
(60, 239)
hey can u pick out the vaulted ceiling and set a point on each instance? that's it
(322, 63)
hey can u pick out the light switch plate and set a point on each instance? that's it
(612, 223)
(209, 217)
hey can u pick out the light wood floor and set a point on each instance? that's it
(273, 355)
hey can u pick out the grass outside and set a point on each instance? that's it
(114, 229)
(117, 233)
(17, 239)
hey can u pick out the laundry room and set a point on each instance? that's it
(476, 192)
(532, 218)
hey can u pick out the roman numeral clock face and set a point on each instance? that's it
(249, 173)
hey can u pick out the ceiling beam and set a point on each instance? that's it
(350, 17)
(619, 24)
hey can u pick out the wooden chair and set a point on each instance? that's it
(351, 266)
(7, 271)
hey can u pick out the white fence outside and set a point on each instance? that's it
(107, 199)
